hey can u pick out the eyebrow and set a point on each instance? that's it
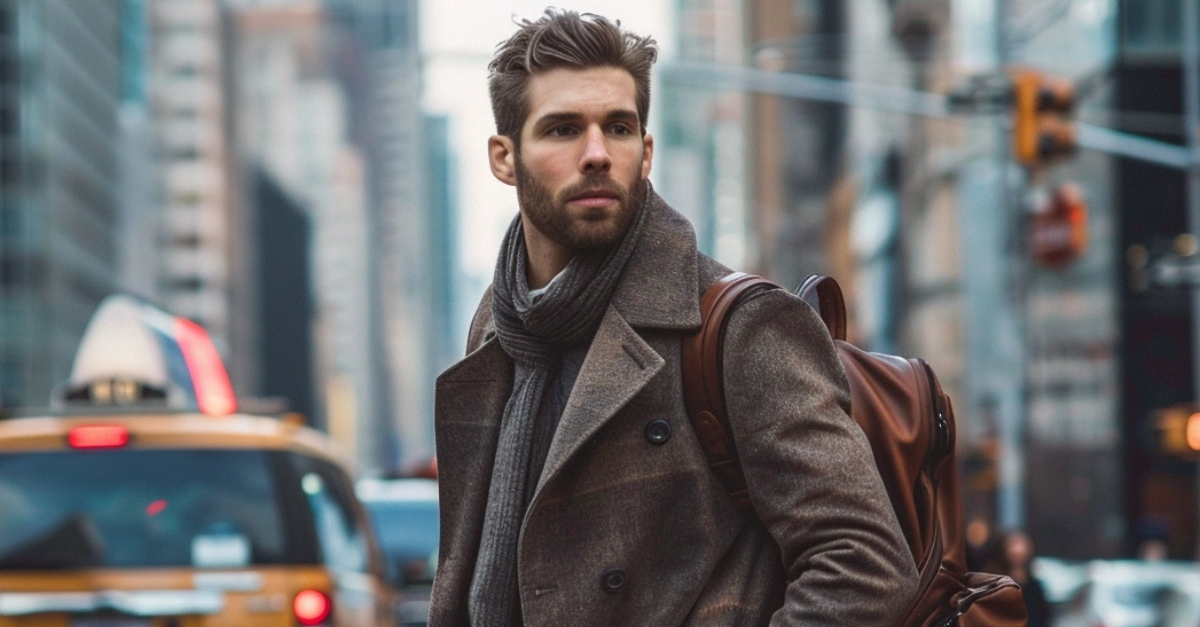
(624, 115)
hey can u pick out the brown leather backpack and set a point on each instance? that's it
(910, 424)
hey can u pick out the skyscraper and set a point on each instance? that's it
(59, 92)
(291, 120)
(200, 219)
(379, 66)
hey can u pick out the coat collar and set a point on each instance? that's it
(660, 287)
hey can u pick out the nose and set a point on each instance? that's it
(595, 152)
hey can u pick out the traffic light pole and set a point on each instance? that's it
(992, 100)
(1014, 406)
(1191, 110)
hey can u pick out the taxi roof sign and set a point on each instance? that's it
(133, 353)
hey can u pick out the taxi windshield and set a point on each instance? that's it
(148, 508)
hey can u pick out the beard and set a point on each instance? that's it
(550, 215)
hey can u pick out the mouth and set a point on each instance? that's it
(594, 198)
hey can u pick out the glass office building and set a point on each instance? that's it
(60, 86)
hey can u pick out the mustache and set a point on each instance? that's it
(593, 182)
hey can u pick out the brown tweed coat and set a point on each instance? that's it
(628, 528)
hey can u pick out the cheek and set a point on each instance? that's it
(636, 160)
(550, 170)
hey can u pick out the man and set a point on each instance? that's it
(574, 490)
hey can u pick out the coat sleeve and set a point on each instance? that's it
(809, 469)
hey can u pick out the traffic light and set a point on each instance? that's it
(1178, 429)
(1042, 128)
(1058, 229)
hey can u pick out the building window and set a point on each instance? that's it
(8, 117)
(184, 153)
(1152, 25)
(9, 70)
(10, 222)
(185, 284)
(10, 171)
(21, 271)
(186, 240)
(189, 199)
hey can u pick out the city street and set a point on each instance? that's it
(241, 239)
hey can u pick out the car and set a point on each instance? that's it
(1062, 579)
(146, 498)
(1134, 593)
(404, 513)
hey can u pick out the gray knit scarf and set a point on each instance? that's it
(534, 335)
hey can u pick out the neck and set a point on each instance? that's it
(546, 258)
(539, 271)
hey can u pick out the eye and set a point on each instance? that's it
(564, 130)
(622, 129)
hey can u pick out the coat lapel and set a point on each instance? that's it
(618, 365)
(660, 289)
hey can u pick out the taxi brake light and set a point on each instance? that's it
(98, 436)
(311, 607)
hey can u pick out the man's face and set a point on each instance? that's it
(582, 164)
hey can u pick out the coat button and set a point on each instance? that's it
(658, 431)
(612, 580)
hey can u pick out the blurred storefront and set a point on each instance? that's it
(1157, 347)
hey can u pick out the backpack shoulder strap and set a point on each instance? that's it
(703, 391)
(829, 303)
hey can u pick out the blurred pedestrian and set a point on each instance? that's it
(574, 490)
(981, 547)
(1153, 533)
(1153, 550)
(1017, 552)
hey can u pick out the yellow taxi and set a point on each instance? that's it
(125, 508)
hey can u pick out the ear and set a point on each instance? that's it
(647, 154)
(502, 156)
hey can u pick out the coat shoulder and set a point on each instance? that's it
(709, 270)
(483, 326)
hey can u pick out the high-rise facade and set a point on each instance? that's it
(701, 151)
(376, 45)
(1157, 349)
(292, 126)
(203, 262)
(60, 87)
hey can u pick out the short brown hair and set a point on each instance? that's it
(564, 39)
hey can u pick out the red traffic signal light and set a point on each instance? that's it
(1042, 129)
